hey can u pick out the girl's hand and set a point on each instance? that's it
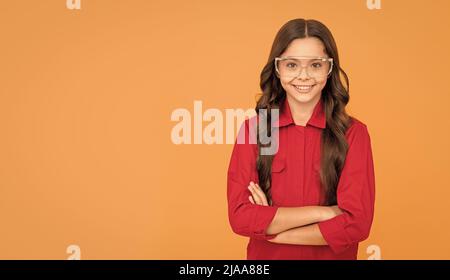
(331, 212)
(336, 210)
(258, 197)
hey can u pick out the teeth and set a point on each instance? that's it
(303, 87)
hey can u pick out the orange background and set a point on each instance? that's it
(86, 97)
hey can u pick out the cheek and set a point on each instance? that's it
(321, 84)
(286, 86)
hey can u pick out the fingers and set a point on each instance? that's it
(261, 194)
(257, 194)
(251, 199)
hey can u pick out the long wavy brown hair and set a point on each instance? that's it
(335, 97)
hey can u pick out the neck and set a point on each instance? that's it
(302, 112)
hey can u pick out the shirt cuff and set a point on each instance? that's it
(263, 217)
(333, 231)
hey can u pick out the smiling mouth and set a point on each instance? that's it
(303, 88)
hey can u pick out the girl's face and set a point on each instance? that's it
(311, 87)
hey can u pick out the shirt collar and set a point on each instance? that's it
(317, 118)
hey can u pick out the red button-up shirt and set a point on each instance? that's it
(296, 182)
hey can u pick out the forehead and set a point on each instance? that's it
(305, 47)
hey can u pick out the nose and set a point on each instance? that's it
(303, 75)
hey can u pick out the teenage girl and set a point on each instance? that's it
(313, 198)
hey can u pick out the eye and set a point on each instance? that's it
(291, 65)
(316, 65)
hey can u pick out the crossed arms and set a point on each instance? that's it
(295, 225)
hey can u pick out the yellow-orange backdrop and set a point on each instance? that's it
(86, 97)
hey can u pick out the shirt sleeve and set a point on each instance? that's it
(355, 194)
(245, 218)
